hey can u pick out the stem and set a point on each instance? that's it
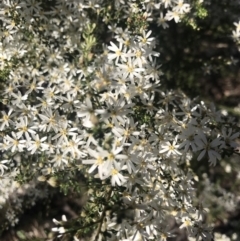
(103, 214)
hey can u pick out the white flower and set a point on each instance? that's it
(33, 6)
(208, 147)
(187, 223)
(181, 7)
(236, 35)
(170, 148)
(167, 3)
(173, 15)
(73, 147)
(113, 157)
(59, 159)
(14, 143)
(23, 128)
(229, 138)
(117, 110)
(64, 132)
(3, 166)
(69, 102)
(116, 176)
(50, 93)
(37, 144)
(187, 136)
(87, 112)
(202, 232)
(237, 26)
(49, 120)
(129, 69)
(19, 98)
(98, 161)
(161, 21)
(126, 132)
(5, 120)
(140, 56)
(119, 53)
(145, 38)
(64, 219)
(44, 104)
(60, 230)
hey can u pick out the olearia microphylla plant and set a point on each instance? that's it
(75, 106)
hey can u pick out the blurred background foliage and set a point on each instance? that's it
(202, 59)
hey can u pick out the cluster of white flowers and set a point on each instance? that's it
(220, 237)
(68, 105)
(15, 199)
(166, 10)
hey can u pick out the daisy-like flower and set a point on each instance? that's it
(19, 98)
(126, 132)
(167, 3)
(113, 156)
(50, 93)
(208, 147)
(140, 56)
(182, 7)
(73, 147)
(229, 138)
(59, 160)
(5, 120)
(97, 161)
(49, 120)
(150, 5)
(32, 86)
(37, 143)
(119, 52)
(117, 110)
(3, 167)
(236, 35)
(161, 21)
(116, 176)
(69, 102)
(202, 232)
(173, 15)
(187, 223)
(33, 6)
(187, 136)
(237, 26)
(14, 143)
(23, 127)
(44, 103)
(87, 112)
(170, 148)
(129, 69)
(145, 38)
(64, 132)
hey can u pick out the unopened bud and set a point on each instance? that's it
(52, 181)
(41, 178)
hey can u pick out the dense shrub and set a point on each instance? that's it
(88, 109)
